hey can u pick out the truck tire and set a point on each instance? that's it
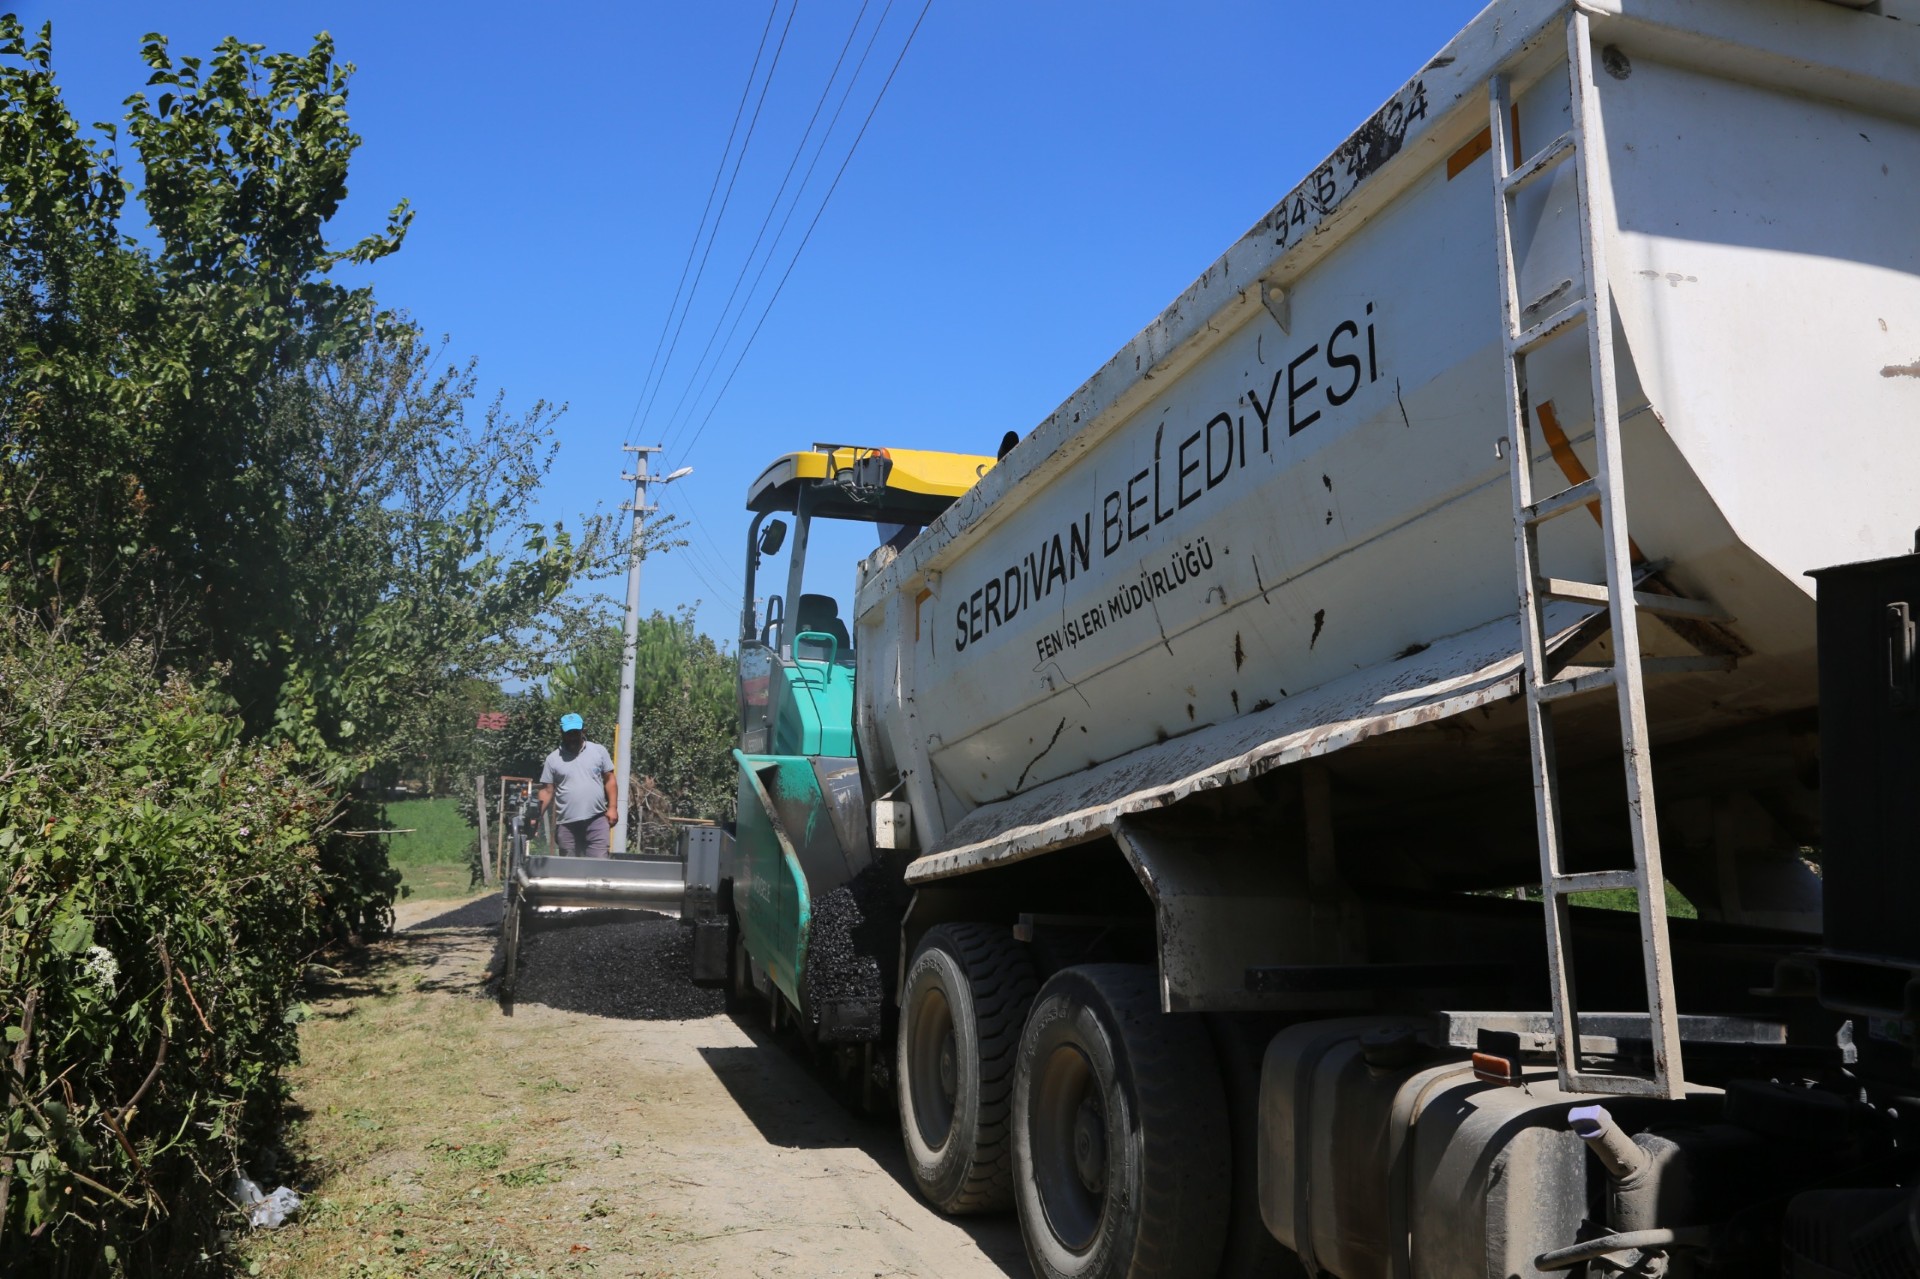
(1120, 1148)
(961, 1009)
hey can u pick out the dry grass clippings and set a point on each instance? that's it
(437, 1137)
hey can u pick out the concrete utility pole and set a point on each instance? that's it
(629, 653)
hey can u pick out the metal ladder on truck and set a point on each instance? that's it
(1584, 146)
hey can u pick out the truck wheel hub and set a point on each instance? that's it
(1090, 1146)
(949, 1067)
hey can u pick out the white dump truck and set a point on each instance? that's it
(1374, 788)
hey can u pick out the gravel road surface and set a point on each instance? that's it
(693, 1143)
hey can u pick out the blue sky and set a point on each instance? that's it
(1040, 179)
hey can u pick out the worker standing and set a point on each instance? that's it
(580, 776)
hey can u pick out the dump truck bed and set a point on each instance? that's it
(1288, 482)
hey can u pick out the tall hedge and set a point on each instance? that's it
(163, 883)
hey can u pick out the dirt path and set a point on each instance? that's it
(441, 1136)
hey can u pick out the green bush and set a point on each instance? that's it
(164, 881)
(358, 883)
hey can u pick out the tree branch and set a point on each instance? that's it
(19, 1072)
(160, 1057)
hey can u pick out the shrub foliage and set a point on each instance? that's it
(163, 878)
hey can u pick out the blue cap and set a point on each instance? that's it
(571, 723)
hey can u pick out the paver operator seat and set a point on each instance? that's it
(821, 615)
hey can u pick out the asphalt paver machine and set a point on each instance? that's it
(537, 881)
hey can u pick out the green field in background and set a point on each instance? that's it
(432, 857)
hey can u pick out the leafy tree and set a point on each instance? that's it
(533, 729)
(226, 449)
(441, 746)
(586, 680)
(414, 568)
(683, 718)
(226, 452)
(70, 293)
(139, 382)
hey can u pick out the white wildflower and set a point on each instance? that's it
(102, 968)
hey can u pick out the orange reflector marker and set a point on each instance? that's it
(1489, 1069)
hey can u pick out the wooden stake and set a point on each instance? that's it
(480, 808)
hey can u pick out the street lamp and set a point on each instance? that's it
(629, 654)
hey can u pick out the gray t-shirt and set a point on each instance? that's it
(579, 784)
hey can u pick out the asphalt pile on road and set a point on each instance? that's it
(853, 940)
(631, 965)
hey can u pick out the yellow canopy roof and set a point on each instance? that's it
(854, 482)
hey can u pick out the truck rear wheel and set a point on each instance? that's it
(962, 1007)
(1121, 1157)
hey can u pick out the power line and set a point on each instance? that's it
(773, 207)
(693, 244)
(702, 568)
(688, 448)
(795, 206)
(718, 594)
(702, 563)
(727, 573)
(719, 217)
(718, 577)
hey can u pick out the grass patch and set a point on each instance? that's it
(482, 1156)
(435, 1138)
(432, 856)
(546, 1172)
(438, 832)
(1627, 899)
(429, 882)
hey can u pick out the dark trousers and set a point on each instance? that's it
(581, 839)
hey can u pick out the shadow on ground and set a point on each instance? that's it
(439, 951)
(481, 912)
(633, 965)
(791, 1105)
